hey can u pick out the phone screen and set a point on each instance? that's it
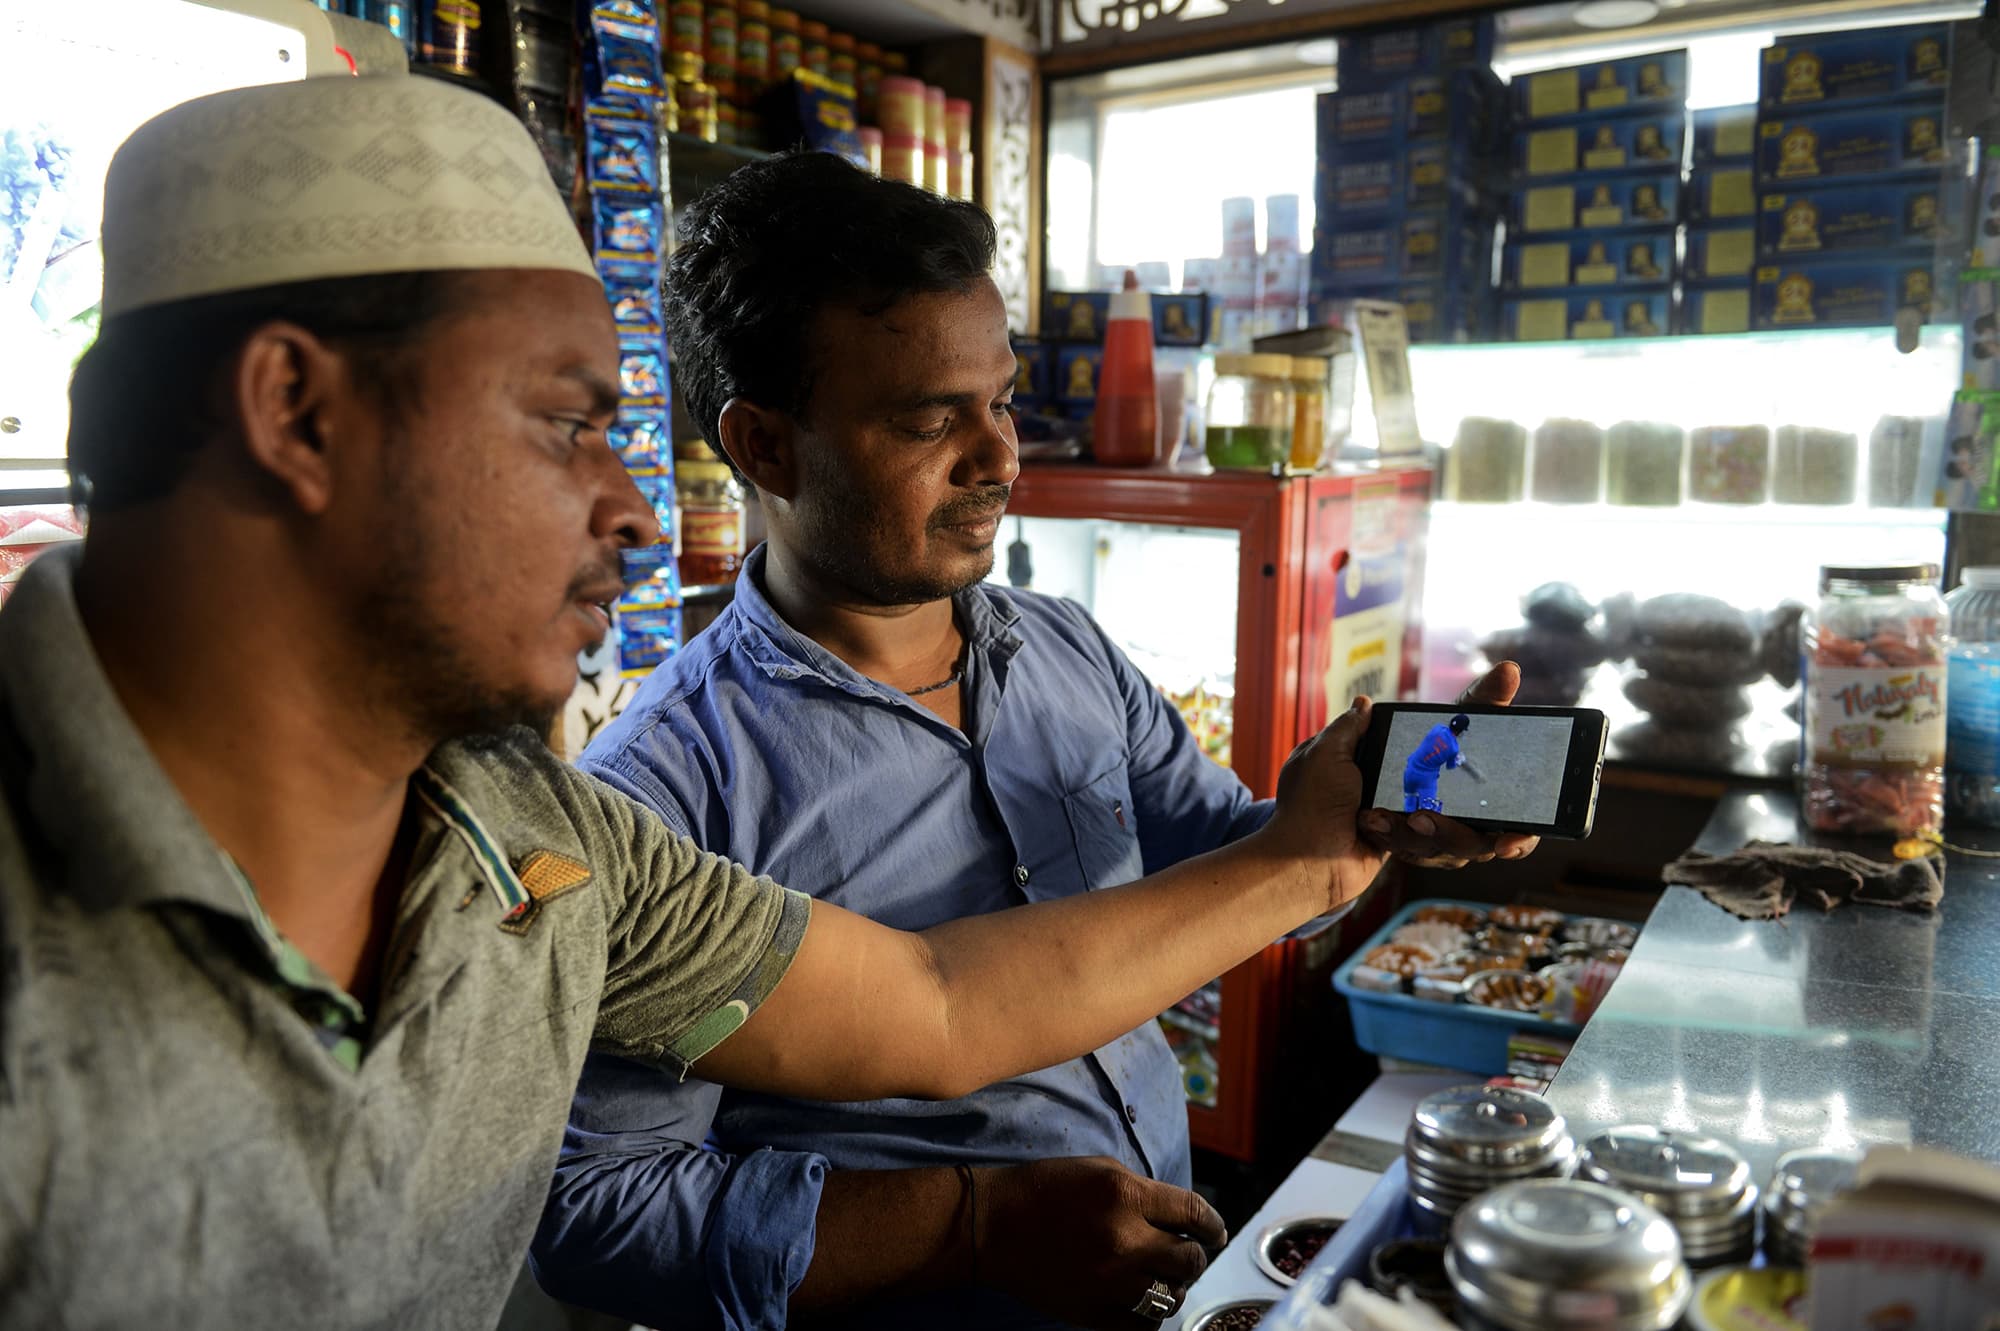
(1505, 768)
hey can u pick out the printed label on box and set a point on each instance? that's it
(1853, 143)
(1856, 66)
(1862, 217)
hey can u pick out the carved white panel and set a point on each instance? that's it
(1010, 181)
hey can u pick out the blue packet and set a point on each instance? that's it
(657, 485)
(652, 575)
(642, 373)
(628, 228)
(635, 307)
(621, 147)
(622, 55)
(647, 636)
(639, 438)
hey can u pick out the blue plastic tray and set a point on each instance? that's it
(1449, 1035)
(1384, 1214)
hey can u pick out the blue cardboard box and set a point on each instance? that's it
(1033, 360)
(1720, 252)
(1075, 316)
(1623, 259)
(1605, 204)
(1180, 319)
(1846, 293)
(1715, 307)
(1465, 105)
(1076, 374)
(1861, 65)
(1389, 178)
(1725, 134)
(1377, 59)
(1439, 244)
(1626, 143)
(1642, 83)
(1882, 215)
(1721, 193)
(1902, 138)
(1434, 311)
(1576, 316)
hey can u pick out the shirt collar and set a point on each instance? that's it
(986, 614)
(100, 797)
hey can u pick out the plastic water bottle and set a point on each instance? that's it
(1972, 743)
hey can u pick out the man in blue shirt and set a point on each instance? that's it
(871, 722)
(1436, 753)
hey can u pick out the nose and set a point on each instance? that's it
(623, 515)
(993, 456)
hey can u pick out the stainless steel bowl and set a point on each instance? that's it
(1566, 1255)
(1216, 1318)
(1488, 1126)
(1284, 1230)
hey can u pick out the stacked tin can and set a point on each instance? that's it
(1801, 1186)
(1468, 1139)
(1702, 1185)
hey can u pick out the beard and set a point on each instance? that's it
(845, 528)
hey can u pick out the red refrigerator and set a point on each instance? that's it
(1260, 605)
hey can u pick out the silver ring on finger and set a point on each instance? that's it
(1158, 1303)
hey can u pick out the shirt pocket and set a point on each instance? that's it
(1105, 828)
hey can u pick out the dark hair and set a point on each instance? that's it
(775, 242)
(150, 391)
(1460, 723)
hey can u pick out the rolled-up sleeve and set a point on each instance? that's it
(644, 1223)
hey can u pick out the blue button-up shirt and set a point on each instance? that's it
(1072, 773)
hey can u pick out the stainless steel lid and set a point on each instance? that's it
(1685, 1176)
(1565, 1255)
(1487, 1126)
(1804, 1181)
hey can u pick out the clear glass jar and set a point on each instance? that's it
(1972, 717)
(711, 528)
(1250, 412)
(1309, 394)
(1875, 702)
(694, 100)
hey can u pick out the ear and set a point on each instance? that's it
(291, 396)
(761, 442)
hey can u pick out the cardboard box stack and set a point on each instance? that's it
(1722, 222)
(1405, 203)
(1596, 205)
(1853, 191)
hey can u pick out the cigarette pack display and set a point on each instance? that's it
(1720, 252)
(1649, 82)
(1587, 316)
(1441, 244)
(1833, 293)
(1902, 139)
(1623, 144)
(1465, 105)
(1598, 205)
(1716, 307)
(1180, 319)
(1075, 316)
(1076, 374)
(1721, 193)
(1861, 65)
(1638, 258)
(1882, 215)
(1725, 134)
(1377, 59)
(1386, 178)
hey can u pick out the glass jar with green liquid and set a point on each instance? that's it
(1250, 412)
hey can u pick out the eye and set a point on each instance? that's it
(933, 434)
(572, 429)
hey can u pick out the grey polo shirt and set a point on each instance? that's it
(197, 1131)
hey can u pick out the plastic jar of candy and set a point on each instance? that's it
(1972, 747)
(711, 522)
(1875, 702)
(1250, 412)
(1309, 380)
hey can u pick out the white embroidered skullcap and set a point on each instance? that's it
(329, 177)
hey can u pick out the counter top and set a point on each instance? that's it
(1847, 1029)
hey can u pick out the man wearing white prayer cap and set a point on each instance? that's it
(303, 934)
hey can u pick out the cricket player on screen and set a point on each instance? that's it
(1437, 752)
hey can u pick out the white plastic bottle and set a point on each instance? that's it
(1972, 744)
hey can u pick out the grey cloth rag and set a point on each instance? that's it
(1762, 880)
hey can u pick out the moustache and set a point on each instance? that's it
(600, 582)
(989, 502)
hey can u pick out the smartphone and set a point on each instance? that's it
(1510, 769)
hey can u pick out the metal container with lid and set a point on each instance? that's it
(1466, 1139)
(1566, 1255)
(1801, 1185)
(1701, 1184)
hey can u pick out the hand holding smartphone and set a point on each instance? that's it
(1507, 769)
